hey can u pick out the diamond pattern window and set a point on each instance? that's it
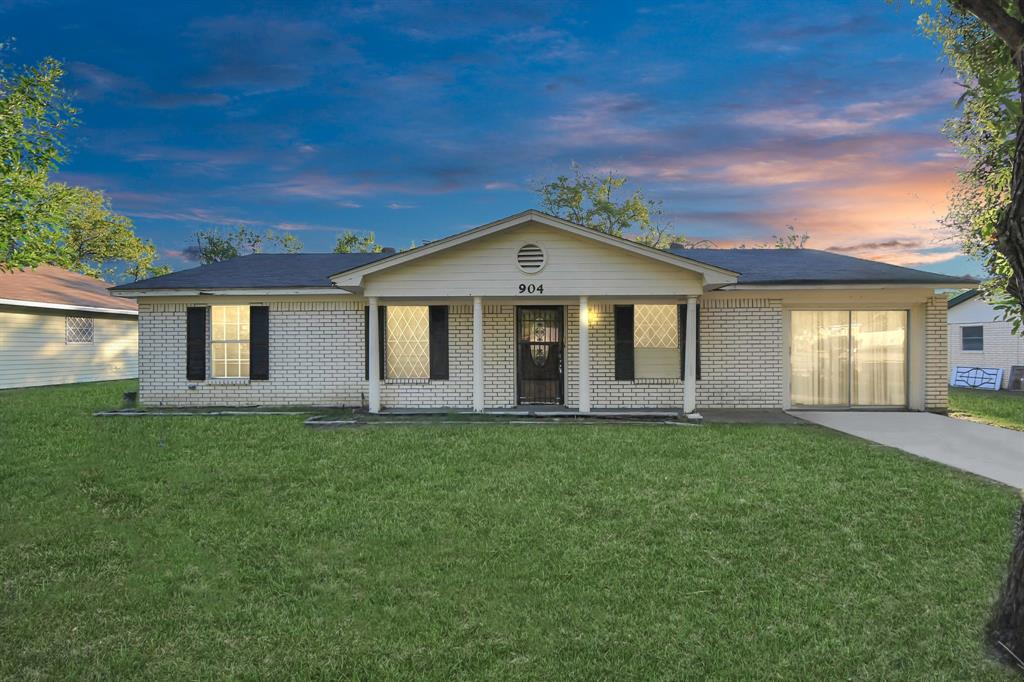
(229, 344)
(78, 330)
(656, 342)
(407, 354)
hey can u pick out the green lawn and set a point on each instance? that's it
(996, 408)
(186, 547)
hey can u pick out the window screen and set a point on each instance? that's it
(656, 341)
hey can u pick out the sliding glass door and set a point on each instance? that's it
(842, 358)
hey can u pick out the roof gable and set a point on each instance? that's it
(712, 274)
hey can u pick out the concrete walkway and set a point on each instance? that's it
(985, 450)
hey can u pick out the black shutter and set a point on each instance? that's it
(195, 344)
(682, 341)
(438, 342)
(259, 342)
(382, 318)
(624, 365)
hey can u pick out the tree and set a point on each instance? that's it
(95, 240)
(984, 42)
(590, 200)
(215, 245)
(351, 242)
(984, 133)
(47, 222)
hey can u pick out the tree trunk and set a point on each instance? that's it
(1005, 632)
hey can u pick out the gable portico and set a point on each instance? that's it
(531, 261)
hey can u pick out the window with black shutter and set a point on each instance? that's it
(438, 342)
(259, 342)
(382, 317)
(624, 366)
(195, 344)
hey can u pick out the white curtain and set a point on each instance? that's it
(820, 360)
(879, 357)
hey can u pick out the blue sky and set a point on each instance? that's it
(416, 120)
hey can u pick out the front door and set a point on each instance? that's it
(539, 363)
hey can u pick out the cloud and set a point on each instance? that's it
(395, 206)
(492, 186)
(96, 83)
(814, 120)
(261, 53)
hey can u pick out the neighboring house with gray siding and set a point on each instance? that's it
(61, 327)
(535, 310)
(980, 337)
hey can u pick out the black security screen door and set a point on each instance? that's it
(539, 334)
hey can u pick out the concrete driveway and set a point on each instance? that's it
(985, 450)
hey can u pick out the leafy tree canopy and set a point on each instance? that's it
(353, 242)
(217, 244)
(984, 133)
(596, 201)
(47, 222)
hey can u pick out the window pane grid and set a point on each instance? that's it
(407, 353)
(229, 327)
(972, 338)
(78, 330)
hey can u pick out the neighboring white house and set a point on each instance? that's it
(532, 309)
(60, 327)
(980, 337)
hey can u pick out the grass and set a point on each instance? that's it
(997, 408)
(187, 547)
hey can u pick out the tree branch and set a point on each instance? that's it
(1008, 28)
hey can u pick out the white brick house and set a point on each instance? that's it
(532, 309)
(980, 337)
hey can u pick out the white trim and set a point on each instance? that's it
(62, 306)
(690, 366)
(584, 360)
(308, 291)
(712, 274)
(478, 354)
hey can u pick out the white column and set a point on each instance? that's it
(690, 370)
(478, 354)
(374, 356)
(584, 356)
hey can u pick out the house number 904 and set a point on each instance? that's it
(531, 288)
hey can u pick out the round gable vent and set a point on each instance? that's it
(530, 258)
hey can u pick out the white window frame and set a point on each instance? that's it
(79, 331)
(239, 341)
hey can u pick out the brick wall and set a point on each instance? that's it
(936, 385)
(317, 357)
(741, 359)
(1002, 349)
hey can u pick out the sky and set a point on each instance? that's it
(415, 120)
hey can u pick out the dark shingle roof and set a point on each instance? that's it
(809, 266)
(964, 296)
(755, 266)
(261, 271)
